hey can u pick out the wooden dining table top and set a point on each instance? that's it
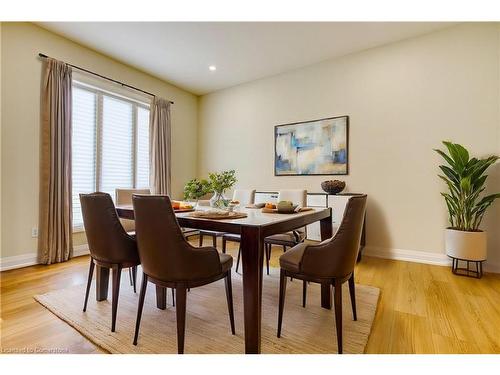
(255, 218)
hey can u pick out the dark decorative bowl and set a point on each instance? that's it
(333, 186)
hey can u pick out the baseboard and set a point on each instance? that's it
(31, 259)
(80, 250)
(437, 259)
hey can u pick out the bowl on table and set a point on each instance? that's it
(333, 186)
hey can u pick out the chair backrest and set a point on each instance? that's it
(164, 252)
(296, 196)
(108, 241)
(244, 196)
(124, 196)
(336, 256)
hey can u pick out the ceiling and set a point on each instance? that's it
(181, 52)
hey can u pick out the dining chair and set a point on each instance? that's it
(241, 195)
(330, 262)
(292, 238)
(245, 197)
(109, 244)
(123, 197)
(168, 260)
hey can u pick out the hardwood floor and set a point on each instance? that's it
(422, 308)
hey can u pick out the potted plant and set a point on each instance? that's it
(195, 189)
(465, 178)
(220, 182)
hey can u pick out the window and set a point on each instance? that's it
(110, 144)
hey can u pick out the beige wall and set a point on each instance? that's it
(402, 99)
(20, 99)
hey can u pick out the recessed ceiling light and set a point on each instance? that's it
(212, 68)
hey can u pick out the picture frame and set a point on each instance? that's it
(312, 148)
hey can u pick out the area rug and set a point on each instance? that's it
(305, 330)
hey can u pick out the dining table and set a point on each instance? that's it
(253, 228)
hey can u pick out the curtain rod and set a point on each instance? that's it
(43, 56)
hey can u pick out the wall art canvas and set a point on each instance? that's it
(318, 147)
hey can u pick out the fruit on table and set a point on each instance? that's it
(176, 205)
(285, 206)
(186, 206)
(271, 206)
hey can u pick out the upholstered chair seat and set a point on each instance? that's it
(109, 244)
(330, 262)
(169, 260)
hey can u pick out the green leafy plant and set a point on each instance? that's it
(195, 189)
(220, 182)
(465, 178)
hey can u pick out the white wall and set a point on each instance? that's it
(21, 72)
(402, 99)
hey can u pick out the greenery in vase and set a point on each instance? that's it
(195, 189)
(465, 178)
(220, 182)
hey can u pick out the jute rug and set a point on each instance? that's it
(305, 330)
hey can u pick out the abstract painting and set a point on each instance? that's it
(318, 147)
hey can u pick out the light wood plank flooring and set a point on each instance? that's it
(422, 309)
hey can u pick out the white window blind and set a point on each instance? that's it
(110, 144)
(83, 148)
(142, 165)
(117, 144)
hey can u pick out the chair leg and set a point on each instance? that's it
(89, 282)
(201, 239)
(173, 298)
(304, 293)
(238, 259)
(117, 271)
(281, 303)
(180, 310)
(214, 241)
(142, 296)
(338, 313)
(134, 278)
(352, 292)
(130, 276)
(268, 256)
(223, 245)
(229, 296)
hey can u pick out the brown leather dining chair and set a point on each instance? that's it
(288, 239)
(109, 244)
(168, 260)
(245, 197)
(124, 197)
(330, 262)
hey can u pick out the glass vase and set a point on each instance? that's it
(218, 200)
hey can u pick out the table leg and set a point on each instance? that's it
(326, 289)
(161, 297)
(253, 260)
(101, 284)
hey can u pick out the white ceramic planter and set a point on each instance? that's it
(465, 245)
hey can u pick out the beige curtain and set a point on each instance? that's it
(55, 242)
(160, 146)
